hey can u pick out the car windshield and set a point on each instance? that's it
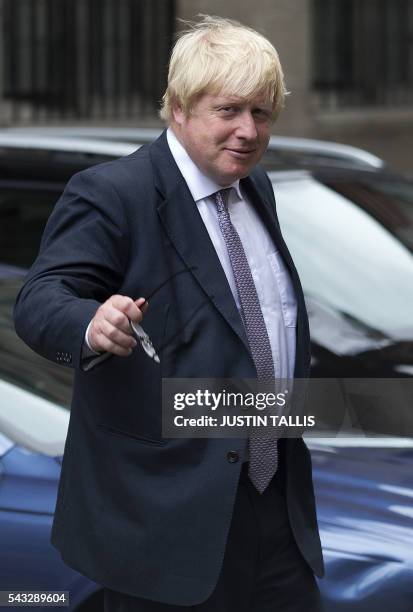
(351, 242)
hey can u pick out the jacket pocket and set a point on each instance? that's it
(108, 429)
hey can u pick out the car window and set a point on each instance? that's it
(347, 258)
(23, 216)
(389, 200)
(20, 365)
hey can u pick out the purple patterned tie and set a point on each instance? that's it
(263, 451)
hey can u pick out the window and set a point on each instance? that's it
(363, 53)
(23, 216)
(85, 58)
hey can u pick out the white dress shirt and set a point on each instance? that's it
(271, 277)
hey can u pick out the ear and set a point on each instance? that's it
(178, 113)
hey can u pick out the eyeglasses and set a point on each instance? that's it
(141, 335)
(145, 342)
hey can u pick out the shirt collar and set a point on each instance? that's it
(200, 185)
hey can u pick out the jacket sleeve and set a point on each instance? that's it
(81, 263)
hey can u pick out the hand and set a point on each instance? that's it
(110, 331)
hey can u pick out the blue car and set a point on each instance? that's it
(349, 225)
(28, 486)
(34, 397)
(364, 492)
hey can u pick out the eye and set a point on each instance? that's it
(227, 110)
(262, 113)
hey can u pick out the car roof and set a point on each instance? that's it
(52, 159)
(30, 141)
(293, 151)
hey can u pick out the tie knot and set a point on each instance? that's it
(221, 198)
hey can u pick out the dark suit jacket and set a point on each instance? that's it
(135, 512)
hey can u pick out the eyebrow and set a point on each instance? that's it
(229, 102)
(240, 102)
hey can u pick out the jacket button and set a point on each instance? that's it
(232, 456)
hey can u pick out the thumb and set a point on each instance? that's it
(142, 304)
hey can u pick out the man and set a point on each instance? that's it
(212, 525)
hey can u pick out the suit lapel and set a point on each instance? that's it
(185, 228)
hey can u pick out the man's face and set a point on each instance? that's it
(225, 136)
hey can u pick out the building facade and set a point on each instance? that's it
(348, 64)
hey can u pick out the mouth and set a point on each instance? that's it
(241, 153)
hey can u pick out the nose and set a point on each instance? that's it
(247, 130)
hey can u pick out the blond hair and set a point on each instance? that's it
(222, 56)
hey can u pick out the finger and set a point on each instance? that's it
(142, 304)
(127, 306)
(117, 336)
(102, 344)
(117, 319)
(102, 333)
(108, 346)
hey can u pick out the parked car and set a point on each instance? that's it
(286, 149)
(349, 225)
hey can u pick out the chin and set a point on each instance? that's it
(235, 174)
